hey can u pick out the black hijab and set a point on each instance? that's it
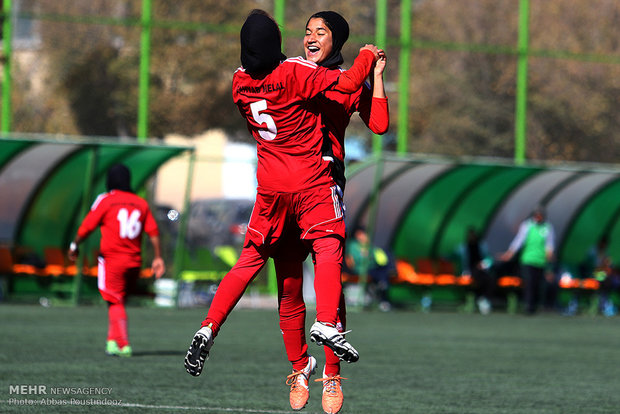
(119, 178)
(261, 43)
(340, 33)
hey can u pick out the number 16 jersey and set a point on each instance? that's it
(123, 217)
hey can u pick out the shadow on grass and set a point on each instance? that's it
(158, 353)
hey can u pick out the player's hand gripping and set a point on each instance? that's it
(380, 64)
(374, 49)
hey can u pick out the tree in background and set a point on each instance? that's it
(461, 102)
(93, 69)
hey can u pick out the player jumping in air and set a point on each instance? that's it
(295, 186)
(326, 33)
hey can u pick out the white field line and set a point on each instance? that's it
(164, 407)
(213, 409)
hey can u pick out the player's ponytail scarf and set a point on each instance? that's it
(261, 43)
(340, 33)
(119, 178)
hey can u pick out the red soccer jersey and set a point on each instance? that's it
(123, 217)
(287, 132)
(336, 109)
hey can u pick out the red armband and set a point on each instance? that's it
(353, 79)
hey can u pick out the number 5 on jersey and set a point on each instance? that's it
(268, 133)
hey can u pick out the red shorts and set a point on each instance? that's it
(316, 213)
(290, 247)
(115, 279)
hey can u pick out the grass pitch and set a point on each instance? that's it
(409, 363)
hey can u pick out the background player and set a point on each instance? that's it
(123, 217)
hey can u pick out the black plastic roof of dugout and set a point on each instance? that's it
(425, 206)
(43, 182)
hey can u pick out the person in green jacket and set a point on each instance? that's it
(536, 242)
(362, 258)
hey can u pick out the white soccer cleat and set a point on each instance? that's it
(329, 336)
(198, 351)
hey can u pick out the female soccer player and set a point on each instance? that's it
(123, 217)
(326, 33)
(294, 183)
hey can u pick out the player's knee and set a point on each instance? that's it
(328, 250)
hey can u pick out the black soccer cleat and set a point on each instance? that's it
(198, 351)
(329, 336)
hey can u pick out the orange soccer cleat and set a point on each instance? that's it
(298, 381)
(332, 393)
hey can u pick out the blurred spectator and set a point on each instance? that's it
(476, 262)
(363, 259)
(535, 241)
(599, 265)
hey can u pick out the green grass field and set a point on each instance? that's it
(409, 363)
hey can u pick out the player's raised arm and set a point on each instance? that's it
(353, 79)
(375, 111)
